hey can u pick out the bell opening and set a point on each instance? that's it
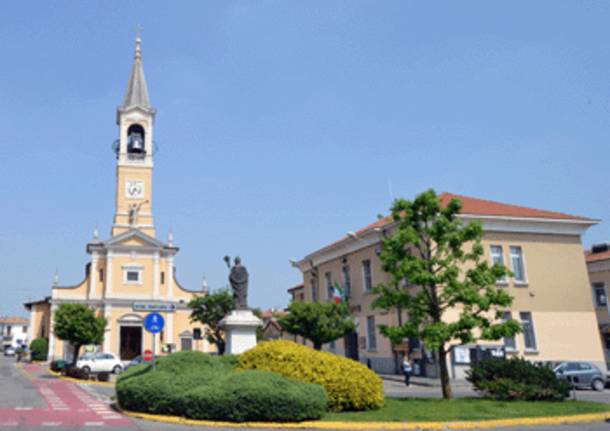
(135, 139)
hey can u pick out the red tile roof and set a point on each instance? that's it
(596, 257)
(480, 207)
(475, 206)
(13, 320)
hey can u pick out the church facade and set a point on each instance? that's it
(131, 273)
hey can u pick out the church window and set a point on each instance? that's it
(162, 277)
(101, 275)
(132, 274)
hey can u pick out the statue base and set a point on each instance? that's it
(240, 331)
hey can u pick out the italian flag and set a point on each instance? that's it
(338, 294)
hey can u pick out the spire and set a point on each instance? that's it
(137, 91)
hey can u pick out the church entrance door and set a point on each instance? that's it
(131, 342)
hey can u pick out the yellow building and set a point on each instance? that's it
(598, 265)
(550, 287)
(131, 273)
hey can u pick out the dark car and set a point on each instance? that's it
(581, 375)
(137, 361)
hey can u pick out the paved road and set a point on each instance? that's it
(31, 400)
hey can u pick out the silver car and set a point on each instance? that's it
(581, 375)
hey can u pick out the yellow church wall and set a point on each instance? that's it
(77, 292)
(144, 288)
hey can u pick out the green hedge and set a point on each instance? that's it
(39, 349)
(200, 386)
(517, 379)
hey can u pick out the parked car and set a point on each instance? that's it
(100, 362)
(9, 351)
(581, 375)
(137, 361)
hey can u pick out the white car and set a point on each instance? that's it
(9, 351)
(100, 362)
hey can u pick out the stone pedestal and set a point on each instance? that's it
(240, 331)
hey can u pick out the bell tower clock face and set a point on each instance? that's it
(134, 189)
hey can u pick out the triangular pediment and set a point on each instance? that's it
(134, 238)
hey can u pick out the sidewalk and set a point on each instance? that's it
(425, 381)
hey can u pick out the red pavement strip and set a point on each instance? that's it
(67, 405)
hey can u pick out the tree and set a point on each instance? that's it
(319, 322)
(209, 310)
(78, 324)
(436, 264)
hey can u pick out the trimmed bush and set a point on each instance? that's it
(75, 372)
(58, 365)
(39, 348)
(200, 386)
(349, 384)
(517, 379)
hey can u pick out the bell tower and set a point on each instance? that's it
(134, 153)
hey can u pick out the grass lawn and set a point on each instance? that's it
(466, 409)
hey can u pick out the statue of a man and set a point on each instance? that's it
(134, 209)
(238, 277)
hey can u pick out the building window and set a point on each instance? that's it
(599, 292)
(314, 290)
(132, 274)
(497, 258)
(516, 256)
(333, 345)
(24, 329)
(8, 329)
(371, 334)
(529, 336)
(101, 275)
(186, 344)
(367, 276)
(347, 282)
(162, 277)
(509, 342)
(329, 285)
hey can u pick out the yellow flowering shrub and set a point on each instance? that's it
(349, 384)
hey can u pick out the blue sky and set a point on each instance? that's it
(283, 125)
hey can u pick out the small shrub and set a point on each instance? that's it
(517, 379)
(200, 386)
(39, 348)
(75, 372)
(58, 365)
(349, 384)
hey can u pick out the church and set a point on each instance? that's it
(131, 273)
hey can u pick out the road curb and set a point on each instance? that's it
(82, 382)
(328, 425)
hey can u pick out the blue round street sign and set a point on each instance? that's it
(154, 323)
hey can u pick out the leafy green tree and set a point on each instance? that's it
(436, 264)
(319, 322)
(209, 310)
(78, 324)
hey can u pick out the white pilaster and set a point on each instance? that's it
(170, 328)
(31, 326)
(51, 354)
(108, 275)
(156, 276)
(170, 277)
(108, 331)
(93, 276)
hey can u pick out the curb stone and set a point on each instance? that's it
(328, 425)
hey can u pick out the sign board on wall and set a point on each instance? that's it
(153, 306)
